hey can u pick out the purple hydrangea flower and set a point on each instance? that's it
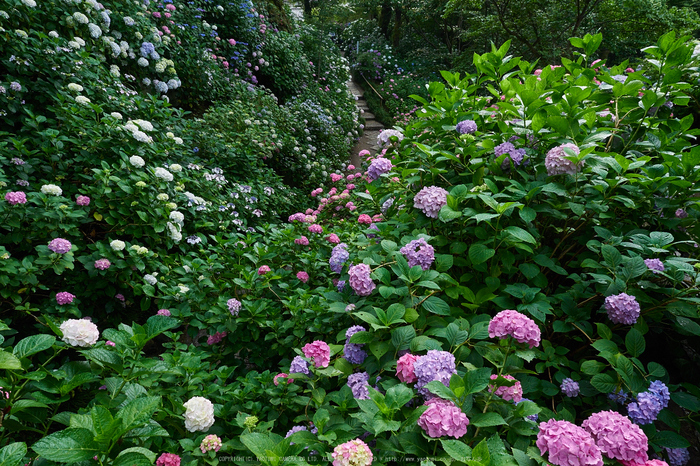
(680, 213)
(556, 162)
(678, 456)
(466, 127)
(16, 197)
(64, 297)
(294, 430)
(234, 306)
(299, 366)
(516, 155)
(60, 245)
(435, 365)
(341, 286)
(504, 148)
(655, 265)
(359, 384)
(339, 255)
(443, 418)
(430, 200)
(619, 397)
(353, 353)
(419, 252)
(622, 308)
(360, 281)
(659, 389)
(378, 167)
(645, 409)
(570, 387)
(102, 264)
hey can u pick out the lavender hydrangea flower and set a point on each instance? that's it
(678, 456)
(339, 255)
(353, 330)
(466, 127)
(556, 162)
(514, 155)
(384, 137)
(60, 245)
(430, 200)
(443, 418)
(435, 365)
(294, 430)
(619, 397)
(359, 384)
(299, 366)
(622, 308)
(353, 353)
(645, 409)
(655, 265)
(512, 323)
(419, 252)
(570, 387)
(341, 286)
(680, 213)
(378, 167)
(234, 306)
(659, 389)
(360, 281)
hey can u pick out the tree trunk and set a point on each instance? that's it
(307, 6)
(398, 22)
(385, 18)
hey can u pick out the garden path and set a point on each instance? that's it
(368, 140)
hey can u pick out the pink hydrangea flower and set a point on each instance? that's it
(263, 270)
(360, 280)
(82, 200)
(216, 338)
(168, 459)
(171, 7)
(519, 326)
(163, 312)
(110, 343)
(102, 264)
(315, 228)
(363, 153)
(335, 177)
(622, 309)
(654, 462)
(303, 241)
(319, 351)
(404, 368)
(16, 197)
(64, 297)
(232, 42)
(430, 200)
(303, 276)
(352, 453)
(60, 245)
(513, 393)
(210, 442)
(568, 444)
(364, 218)
(617, 437)
(443, 418)
(557, 163)
(333, 238)
(281, 375)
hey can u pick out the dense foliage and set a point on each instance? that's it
(530, 233)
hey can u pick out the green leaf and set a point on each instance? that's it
(143, 451)
(439, 389)
(686, 400)
(360, 338)
(32, 345)
(137, 412)
(436, 306)
(521, 235)
(397, 396)
(604, 383)
(487, 420)
(155, 325)
(401, 337)
(611, 255)
(686, 324)
(476, 380)
(480, 253)
(13, 454)
(669, 439)
(389, 246)
(481, 453)
(132, 458)
(67, 446)
(321, 418)
(260, 444)
(634, 342)
(457, 449)
(9, 361)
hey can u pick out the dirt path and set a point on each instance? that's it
(368, 140)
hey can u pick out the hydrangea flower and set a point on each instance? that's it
(435, 365)
(352, 453)
(339, 255)
(617, 437)
(570, 387)
(117, 245)
(678, 456)
(299, 366)
(333, 238)
(281, 375)
(659, 389)
(79, 332)
(384, 137)
(303, 241)
(82, 201)
(514, 155)
(216, 338)
(51, 190)
(519, 326)
(64, 297)
(532, 417)
(512, 393)
(210, 442)
(263, 270)
(404, 368)
(419, 252)
(359, 385)
(680, 213)
(234, 306)
(102, 264)
(16, 197)
(466, 127)
(645, 409)
(60, 245)
(168, 459)
(364, 219)
(360, 280)
(567, 444)
(556, 162)
(315, 228)
(319, 351)
(163, 312)
(294, 430)
(430, 200)
(164, 174)
(619, 397)
(137, 161)
(353, 353)
(622, 309)
(199, 415)
(443, 418)
(303, 276)
(655, 265)
(378, 167)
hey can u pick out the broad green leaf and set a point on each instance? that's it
(9, 361)
(457, 449)
(137, 412)
(67, 446)
(132, 458)
(634, 342)
(487, 420)
(669, 439)
(401, 337)
(13, 454)
(32, 345)
(604, 383)
(436, 306)
(361, 338)
(155, 325)
(480, 253)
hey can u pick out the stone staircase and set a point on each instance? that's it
(368, 141)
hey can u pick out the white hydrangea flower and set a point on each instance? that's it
(163, 197)
(80, 41)
(141, 251)
(170, 134)
(51, 189)
(29, 3)
(95, 31)
(117, 245)
(73, 87)
(80, 18)
(171, 205)
(143, 124)
(150, 279)
(164, 174)
(116, 115)
(178, 140)
(53, 35)
(82, 100)
(79, 332)
(73, 44)
(174, 232)
(183, 288)
(142, 62)
(176, 167)
(137, 161)
(177, 217)
(114, 71)
(141, 136)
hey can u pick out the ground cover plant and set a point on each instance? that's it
(510, 280)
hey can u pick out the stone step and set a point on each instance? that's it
(373, 125)
(368, 116)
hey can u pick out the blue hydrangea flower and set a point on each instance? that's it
(359, 385)
(618, 397)
(339, 255)
(678, 456)
(645, 409)
(570, 387)
(299, 366)
(353, 353)
(436, 365)
(659, 389)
